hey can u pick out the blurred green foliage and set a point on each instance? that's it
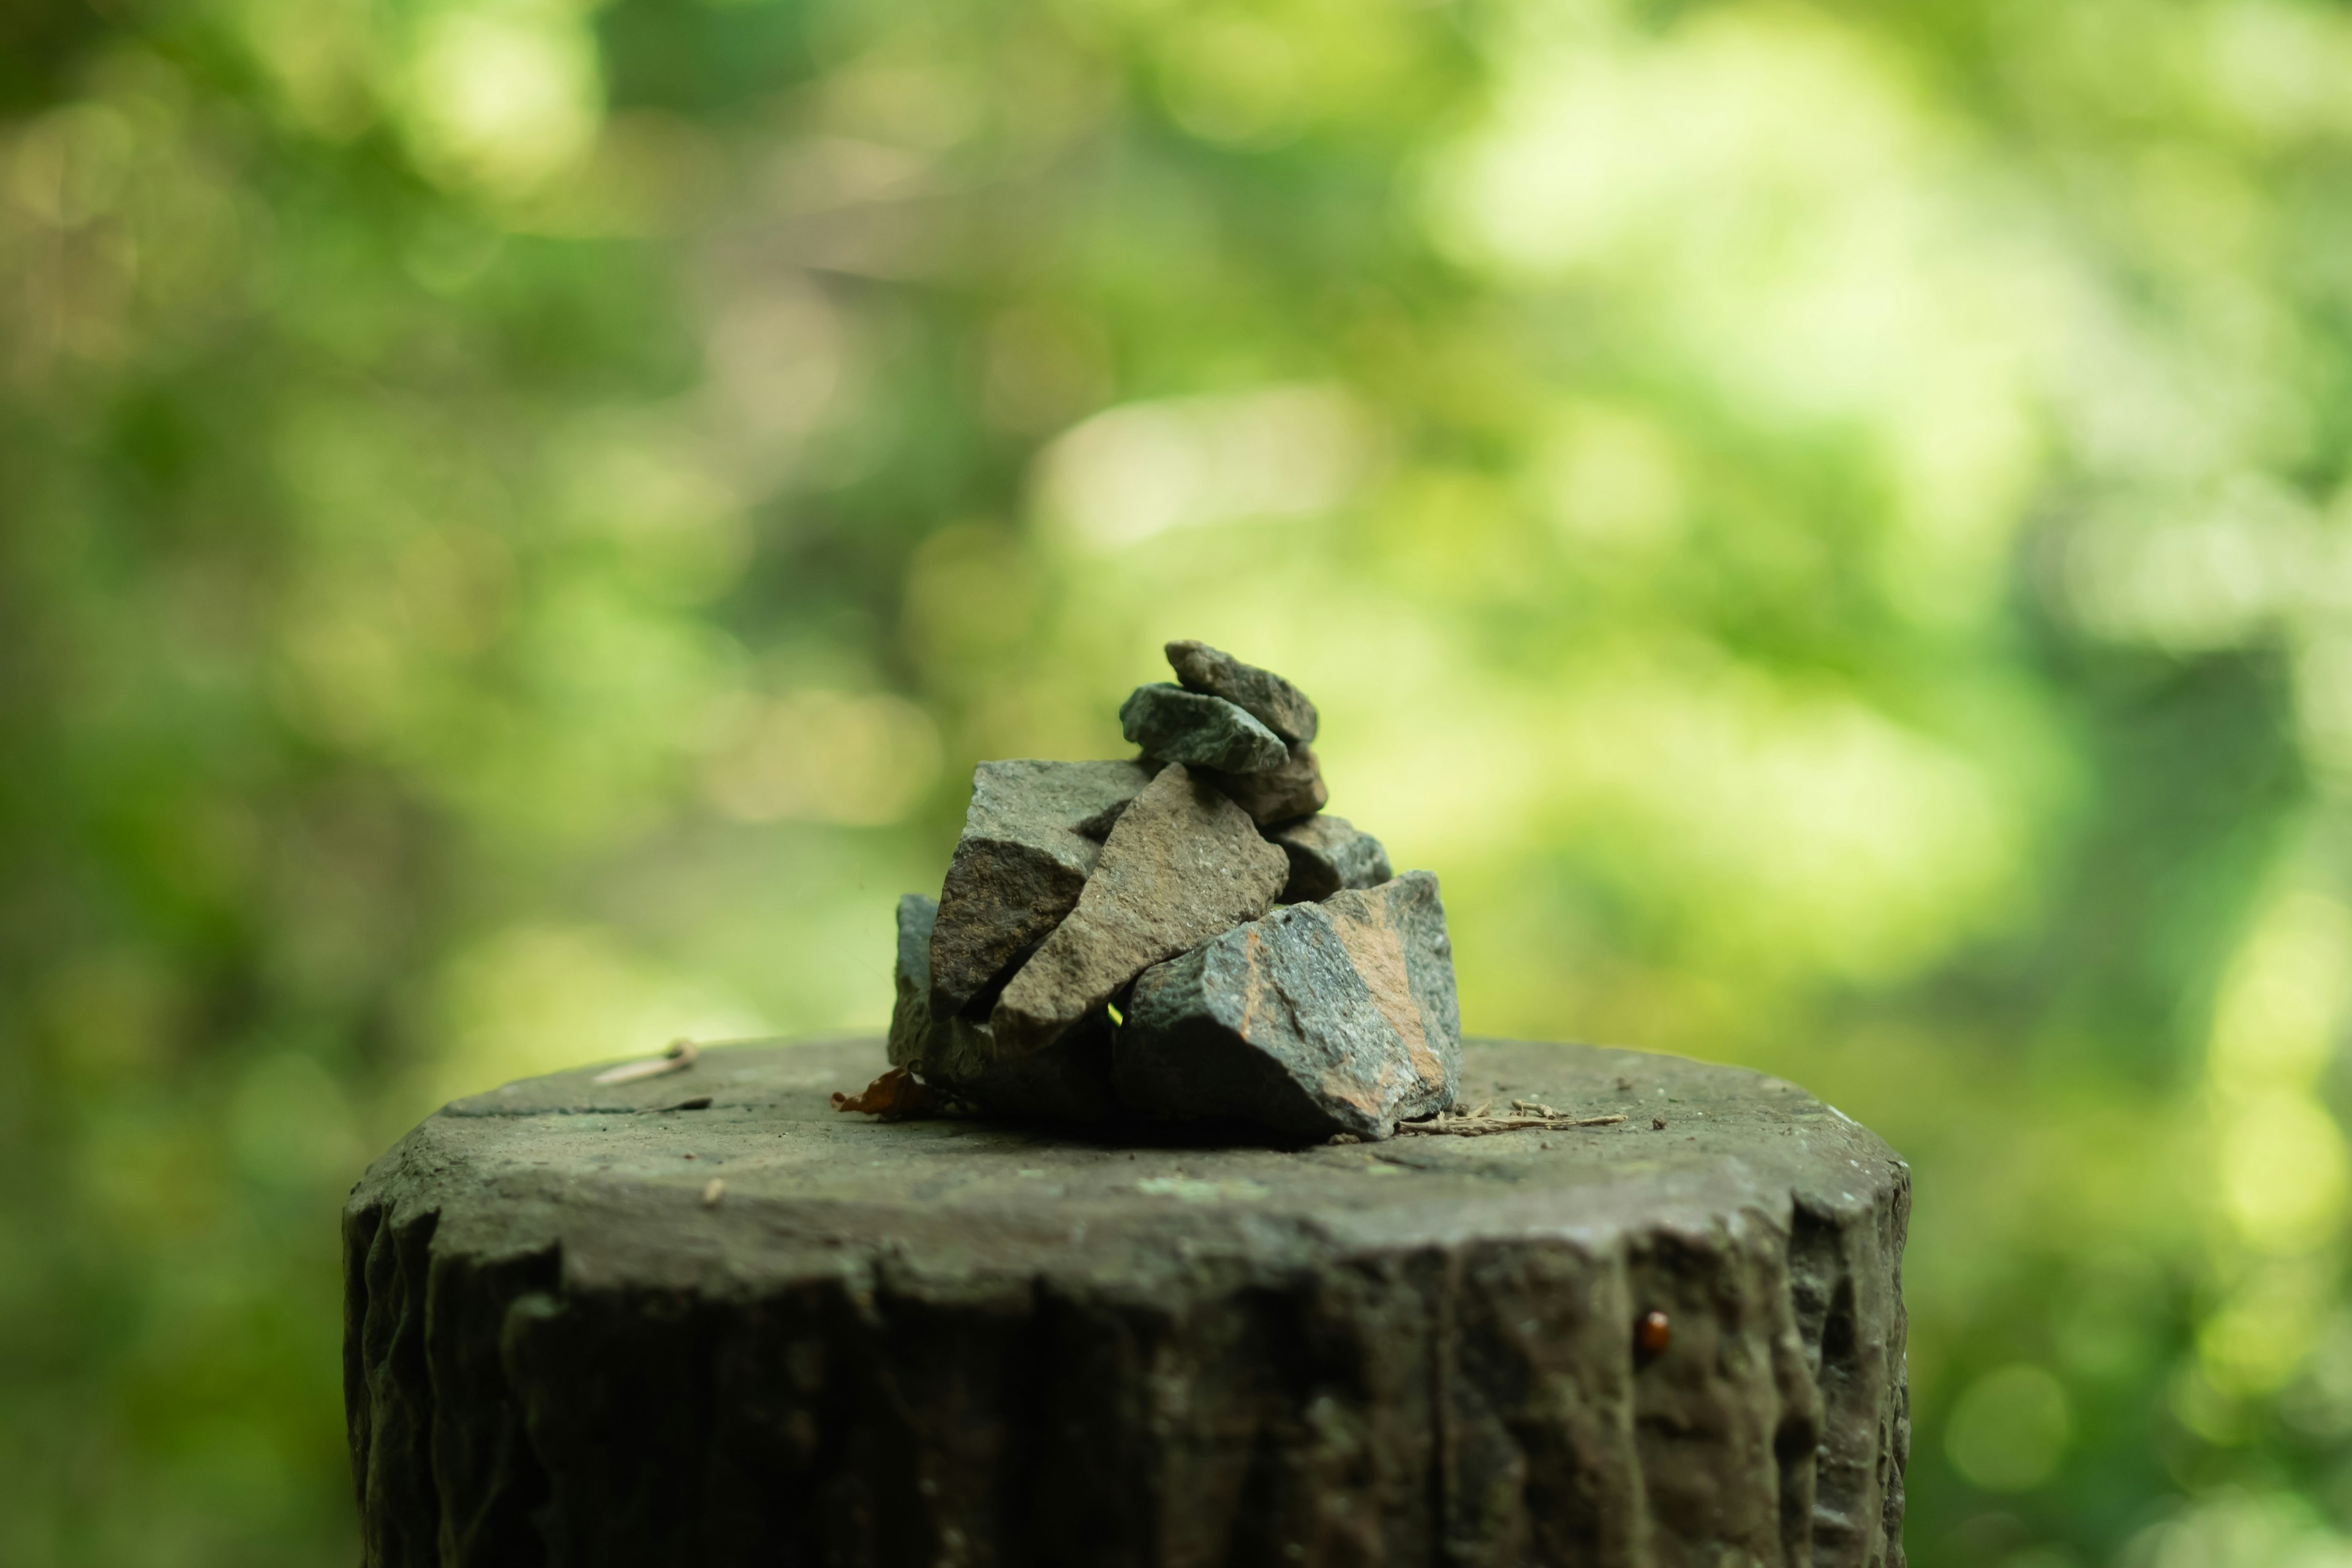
(1827, 526)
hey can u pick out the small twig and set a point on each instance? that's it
(676, 1059)
(1476, 1126)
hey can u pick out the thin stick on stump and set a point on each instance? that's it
(679, 1056)
(1478, 1125)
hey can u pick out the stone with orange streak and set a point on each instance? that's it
(1330, 1017)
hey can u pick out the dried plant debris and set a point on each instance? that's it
(1107, 945)
(677, 1058)
(1478, 1123)
(895, 1096)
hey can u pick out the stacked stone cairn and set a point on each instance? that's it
(1182, 937)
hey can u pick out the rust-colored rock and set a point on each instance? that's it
(1332, 1017)
(1182, 864)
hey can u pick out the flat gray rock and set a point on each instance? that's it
(1290, 790)
(1182, 864)
(1030, 838)
(887, 1343)
(1262, 694)
(1069, 1081)
(1174, 725)
(1336, 1018)
(1326, 853)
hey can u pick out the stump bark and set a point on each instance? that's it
(960, 1342)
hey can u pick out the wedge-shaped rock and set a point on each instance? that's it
(1326, 853)
(1069, 1081)
(1182, 864)
(1030, 838)
(1319, 1019)
(1262, 694)
(1180, 726)
(1288, 792)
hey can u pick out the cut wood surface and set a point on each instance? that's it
(703, 1318)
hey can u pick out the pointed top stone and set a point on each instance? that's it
(1262, 694)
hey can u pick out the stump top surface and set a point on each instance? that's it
(616, 1177)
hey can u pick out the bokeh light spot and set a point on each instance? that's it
(2009, 1431)
(502, 97)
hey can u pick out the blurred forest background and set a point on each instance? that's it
(1829, 526)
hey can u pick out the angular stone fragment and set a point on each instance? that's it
(1321, 1018)
(1180, 726)
(910, 1012)
(1030, 839)
(1292, 790)
(1068, 1081)
(1262, 694)
(1182, 864)
(1326, 853)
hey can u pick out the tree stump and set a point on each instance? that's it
(702, 1318)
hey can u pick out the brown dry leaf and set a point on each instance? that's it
(896, 1094)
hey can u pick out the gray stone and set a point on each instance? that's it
(1174, 725)
(1181, 865)
(1262, 694)
(1335, 1017)
(910, 978)
(1326, 853)
(1290, 790)
(927, 1340)
(1030, 838)
(1069, 1081)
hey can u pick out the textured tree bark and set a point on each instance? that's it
(959, 1342)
